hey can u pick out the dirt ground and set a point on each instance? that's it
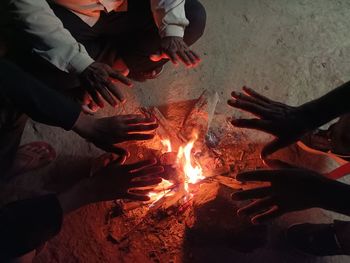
(291, 51)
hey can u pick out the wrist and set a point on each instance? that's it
(336, 199)
(84, 125)
(75, 197)
(312, 115)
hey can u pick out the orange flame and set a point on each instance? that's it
(167, 145)
(193, 174)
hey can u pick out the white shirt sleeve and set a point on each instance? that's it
(170, 17)
(48, 37)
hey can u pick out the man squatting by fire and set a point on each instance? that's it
(88, 49)
(78, 51)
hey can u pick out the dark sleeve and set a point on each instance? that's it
(33, 98)
(27, 224)
(328, 107)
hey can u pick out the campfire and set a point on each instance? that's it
(195, 175)
(188, 170)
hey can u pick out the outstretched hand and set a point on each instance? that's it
(285, 122)
(289, 190)
(97, 81)
(113, 181)
(105, 133)
(117, 181)
(175, 49)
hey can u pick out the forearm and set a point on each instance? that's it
(328, 107)
(39, 102)
(74, 198)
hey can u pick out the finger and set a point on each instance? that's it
(120, 77)
(158, 57)
(86, 98)
(146, 183)
(256, 95)
(256, 176)
(136, 197)
(139, 137)
(255, 193)
(130, 116)
(273, 147)
(113, 149)
(255, 124)
(120, 159)
(138, 191)
(197, 57)
(173, 58)
(251, 107)
(139, 119)
(86, 109)
(140, 165)
(191, 57)
(278, 164)
(244, 97)
(140, 128)
(255, 207)
(273, 212)
(96, 97)
(149, 171)
(115, 90)
(107, 96)
(184, 58)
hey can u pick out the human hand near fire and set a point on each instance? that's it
(99, 80)
(105, 133)
(285, 122)
(175, 49)
(289, 190)
(114, 181)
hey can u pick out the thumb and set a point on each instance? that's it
(272, 147)
(158, 56)
(110, 148)
(105, 160)
(278, 164)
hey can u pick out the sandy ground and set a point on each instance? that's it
(291, 51)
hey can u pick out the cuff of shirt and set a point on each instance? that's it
(79, 63)
(173, 31)
(70, 117)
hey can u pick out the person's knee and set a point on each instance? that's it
(197, 17)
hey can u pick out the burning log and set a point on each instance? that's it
(200, 116)
(165, 130)
(184, 172)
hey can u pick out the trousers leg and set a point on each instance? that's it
(12, 123)
(148, 40)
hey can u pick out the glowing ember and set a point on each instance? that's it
(167, 145)
(162, 190)
(193, 174)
